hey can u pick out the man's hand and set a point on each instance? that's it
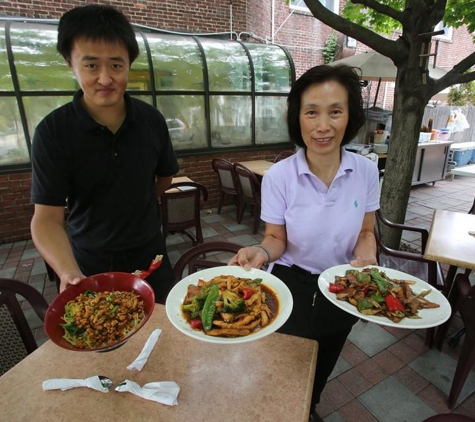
(70, 278)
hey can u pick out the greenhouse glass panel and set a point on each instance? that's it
(6, 83)
(271, 124)
(37, 108)
(271, 68)
(186, 120)
(13, 148)
(230, 120)
(177, 62)
(145, 98)
(139, 75)
(228, 66)
(39, 66)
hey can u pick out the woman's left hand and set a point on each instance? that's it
(363, 261)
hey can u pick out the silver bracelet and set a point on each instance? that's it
(265, 250)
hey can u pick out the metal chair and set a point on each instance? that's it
(16, 338)
(249, 192)
(205, 255)
(409, 262)
(181, 205)
(283, 155)
(226, 180)
(461, 299)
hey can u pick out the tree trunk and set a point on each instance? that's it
(408, 111)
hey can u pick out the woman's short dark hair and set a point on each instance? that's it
(96, 23)
(345, 76)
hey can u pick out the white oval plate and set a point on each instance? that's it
(178, 293)
(429, 317)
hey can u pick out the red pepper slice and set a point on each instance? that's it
(247, 293)
(336, 288)
(156, 263)
(394, 304)
(196, 323)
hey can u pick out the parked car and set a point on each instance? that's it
(179, 131)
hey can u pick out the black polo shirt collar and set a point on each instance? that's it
(88, 122)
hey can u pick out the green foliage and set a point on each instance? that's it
(329, 50)
(457, 13)
(462, 95)
(368, 18)
(460, 12)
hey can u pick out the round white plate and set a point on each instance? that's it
(429, 317)
(178, 293)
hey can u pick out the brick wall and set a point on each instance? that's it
(15, 207)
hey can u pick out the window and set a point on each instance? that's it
(333, 5)
(447, 36)
(213, 94)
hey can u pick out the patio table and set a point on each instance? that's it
(450, 242)
(267, 380)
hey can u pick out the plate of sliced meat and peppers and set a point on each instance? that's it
(229, 305)
(385, 296)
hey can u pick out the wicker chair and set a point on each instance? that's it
(226, 180)
(181, 209)
(206, 255)
(249, 192)
(16, 338)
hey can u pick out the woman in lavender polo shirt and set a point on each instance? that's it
(319, 207)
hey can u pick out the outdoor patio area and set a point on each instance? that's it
(384, 374)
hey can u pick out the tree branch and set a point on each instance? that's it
(381, 8)
(385, 46)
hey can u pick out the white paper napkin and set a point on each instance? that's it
(142, 358)
(165, 392)
(68, 383)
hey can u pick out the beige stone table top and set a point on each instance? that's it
(265, 380)
(449, 239)
(258, 167)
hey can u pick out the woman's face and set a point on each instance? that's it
(324, 114)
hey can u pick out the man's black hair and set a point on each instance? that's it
(95, 23)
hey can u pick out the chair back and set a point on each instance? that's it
(181, 205)
(472, 210)
(205, 255)
(249, 186)
(226, 177)
(409, 262)
(16, 338)
(283, 155)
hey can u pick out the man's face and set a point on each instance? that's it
(102, 71)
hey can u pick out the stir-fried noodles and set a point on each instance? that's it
(229, 306)
(99, 319)
(372, 292)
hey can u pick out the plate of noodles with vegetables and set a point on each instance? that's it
(101, 313)
(385, 296)
(229, 305)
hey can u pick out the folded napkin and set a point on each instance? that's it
(67, 383)
(142, 358)
(165, 392)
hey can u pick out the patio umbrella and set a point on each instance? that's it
(376, 67)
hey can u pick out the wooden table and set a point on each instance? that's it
(258, 167)
(267, 380)
(450, 243)
(179, 179)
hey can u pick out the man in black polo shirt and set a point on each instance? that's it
(106, 156)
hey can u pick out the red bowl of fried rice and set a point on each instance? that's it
(105, 282)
